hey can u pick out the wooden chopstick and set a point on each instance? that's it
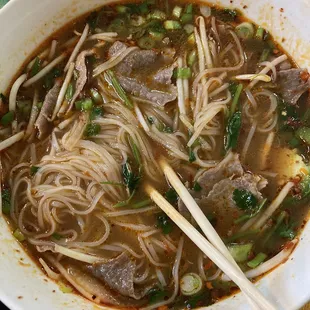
(208, 249)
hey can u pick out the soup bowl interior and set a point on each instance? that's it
(25, 25)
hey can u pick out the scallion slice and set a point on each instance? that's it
(190, 284)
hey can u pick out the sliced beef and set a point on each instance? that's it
(140, 90)
(220, 202)
(293, 84)
(225, 169)
(42, 122)
(157, 87)
(98, 290)
(81, 67)
(118, 274)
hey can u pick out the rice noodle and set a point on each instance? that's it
(12, 140)
(14, 90)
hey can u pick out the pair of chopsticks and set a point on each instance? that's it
(215, 248)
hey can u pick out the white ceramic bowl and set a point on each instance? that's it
(24, 25)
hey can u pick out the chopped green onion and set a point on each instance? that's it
(8, 118)
(157, 36)
(142, 204)
(236, 97)
(119, 89)
(279, 222)
(186, 18)
(240, 252)
(245, 31)
(92, 130)
(177, 11)
(172, 25)
(19, 235)
(257, 260)
(182, 73)
(6, 201)
(164, 223)
(190, 284)
(36, 67)
(34, 170)
(260, 33)
(189, 8)
(303, 134)
(265, 54)
(192, 58)
(96, 96)
(50, 77)
(189, 28)
(146, 43)
(65, 288)
(69, 92)
(191, 39)
(96, 113)
(84, 104)
(121, 9)
(157, 14)
(172, 196)
(197, 187)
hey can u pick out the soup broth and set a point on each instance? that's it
(84, 126)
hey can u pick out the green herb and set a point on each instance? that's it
(177, 11)
(225, 15)
(232, 131)
(164, 128)
(96, 96)
(198, 300)
(245, 30)
(92, 130)
(197, 187)
(96, 113)
(150, 120)
(182, 73)
(119, 89)
(69, 92)
(156, 294)
(6, 201)
(121, 9)
(192, 157)
(135, 151)
(139, 8)
(146, 43)
(164, 223)
(34, 170)
(57, 236)
(280, 219)
(172, 196)
(244, 200)
(253, 213)
(8, 118)
(19, 235)
(257, 260)
(130, 179)
(294, 142)
(236, 97)
(157, 14)
(50, 77)
(287, 231)
(157, 36)
(240, 252)
(189, 9)
(36, 67)
(142, 204)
